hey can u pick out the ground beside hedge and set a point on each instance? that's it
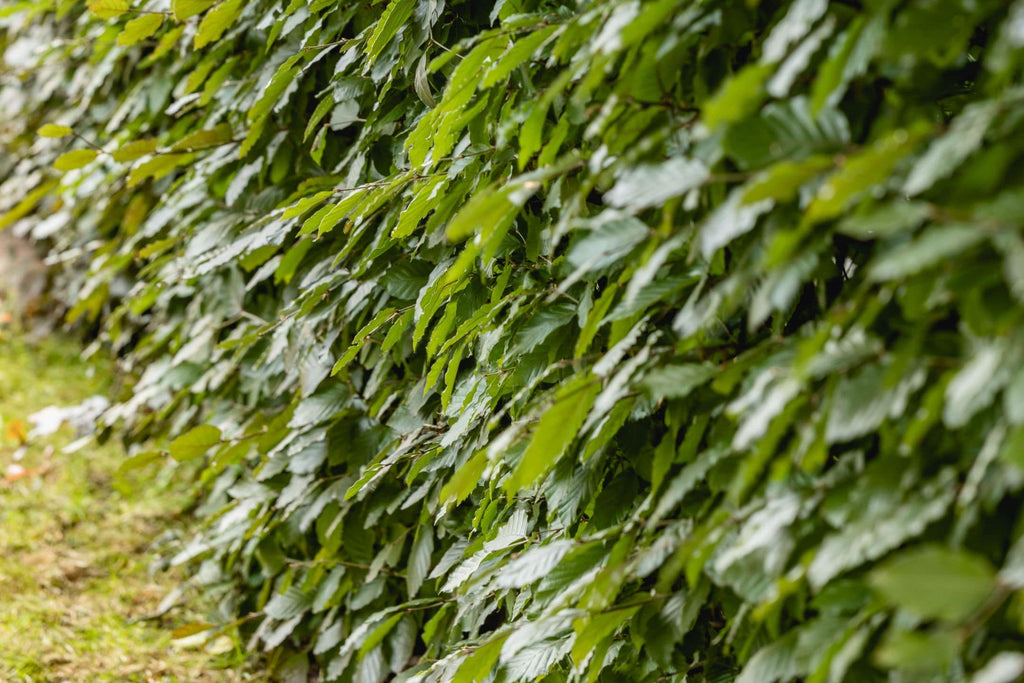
(81, 543)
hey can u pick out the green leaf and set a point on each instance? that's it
(798, 21)
(167, 43)
(481, 214)
(514, 56)
(288, 604)
(860, 173)
(158, 167)
(216, 22)
(442, 329)
(926, 652)
(317, 408)
(783, 181)
(402, 643)
(465, 479)
(935, 582)
(194, 443)
(848, 60)
(872, 535)
(541, 326)
(645, 186)
(362, 336)
(377, 635)
(886, 220)
(284, 80)
(609, 242)
(141, 460)
(860, 403)
(479, 665)
(730, 220)
(786, 131)
(1005, 667)
(936, 245)
(975, 386)
(203, 139)
(676, 381)
(1013, 398)
(290, 262)
(532, 565)
(140, 28)
(738, 97)
(946, 153)
(593, 629)
(422, 85)
(420, 557)
(555, 431)
(76, 158)
(393, 18)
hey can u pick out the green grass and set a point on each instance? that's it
(77, 594)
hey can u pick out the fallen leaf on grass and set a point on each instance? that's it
(15, 472)
(15, 430)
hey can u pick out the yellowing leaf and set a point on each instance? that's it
(108, 9)
(22, 208)
(216, 22)
(16, 431)
(76, 158)
(195, 443)
(202, 139)
(184, 9)
(199, 74)
(189, 630)
(139, 29)
(134, 150)
(52, 130)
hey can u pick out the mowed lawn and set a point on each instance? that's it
(83, 546)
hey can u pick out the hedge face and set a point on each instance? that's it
(599, 341)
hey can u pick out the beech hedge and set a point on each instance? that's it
(574, 340)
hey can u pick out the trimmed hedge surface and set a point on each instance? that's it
(673, 340)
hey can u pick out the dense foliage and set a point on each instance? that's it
(606, 340)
